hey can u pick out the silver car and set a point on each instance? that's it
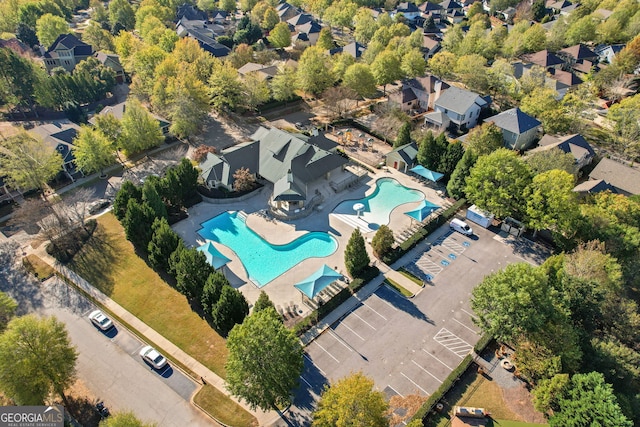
(99, 319)
(151, 355)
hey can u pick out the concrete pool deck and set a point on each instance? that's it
(281, 290)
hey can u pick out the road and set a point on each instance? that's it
(108, 363)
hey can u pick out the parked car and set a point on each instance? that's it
(99, 319)
(461, 227)
(98, 206)
(151, 356)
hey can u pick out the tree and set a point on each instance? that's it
(497, 182)
(26, 35)
(543, 105)
(365, 25)
(7, 310)
(547, 160)
(352, 401)
(124, 419)
(151, 196)
(471, 69)
(212, 290)
(386, 68)
(341, 61)
(163, 242)
(92, 150)
(202, 152)
(404, 135)
(140, 130)
(356, 257)
(450, 158)
(243, 180)
(127, 191)
(588, 401)
(227, 5)
(187, 176)
(534, 39)
(337, 101)
(512, 302)
(485, 139)
(36, 358)
(263, 302)
(231, 309)
(551, 201)
(431, 150)
(457, 183)
(97, 37)
(18, 80)
(442, 64)
(413, 64)
(382, 241)
(192, 272)
(582, 30)
(359, 78)
(546, 393)
(121, 16)
(313, 75)
(325, 39)
(283, 84)
(28, 163)
(49, 27)
(225, 88)
(256, 91)
(626, 130)
(280, 36)
(138, 222)
(265, 360)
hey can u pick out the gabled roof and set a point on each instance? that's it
(450, 4)
(429, 43)
(605, 13)
(289, 188)
(208, 43)
(574, 144)
(299, 19)
(560, 4)
(579, 52)
(459, 100)
(594, 186)
(69, 42)
(354, 49)
(565, 77)
(438, 118)
(407, 7)
(111, 58)
(190, 12)
(544, 58)
(117, 111)
(407, 152)
(620, 176)
(425, 83)
(515, 121)
(311, 27)
(430, 7)
(265, 71)
(59, 136)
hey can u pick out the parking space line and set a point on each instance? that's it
(372, 309)
(434, 377)
(453, 343)
(450, 368)
(472, 316)
(306, 382)
(415, 384)
(368, 324)
(311, 361)
(354, 332)
(325, 350)
(475, 332)
(395, 391)
(340, 340)
(386, 302)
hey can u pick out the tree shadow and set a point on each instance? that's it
(311, 386)
(83, 410)
(96, 259)
(402, 303)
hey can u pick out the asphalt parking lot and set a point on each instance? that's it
(409, 346)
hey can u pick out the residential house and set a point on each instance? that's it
(354, 49)
(66, 52)
(434, 10)
(6, 192)
(117, 110)
(290, 163)
(593, 186)
(299, 19)
(450, 6)
(606, 53)
(287, 11)
(112, 61)
(60, 136)
(574, 144)
(308, 33)
(265, 72)
(563, 7)
(402, 158)
(408, 9)
(566, 78)
(220, 17)
(580, 52)
(545, 59)
(190, 13)
(625, 179)
(437, 120)
(419, 93)
(430, 46)
(18, 47)
(205, 34)
(604, 13)
(461, 106)
(519, 130)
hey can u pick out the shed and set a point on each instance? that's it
(480, 217)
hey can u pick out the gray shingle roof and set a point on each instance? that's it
(407, 152)
(514, 120)
(594, 186)
(459, 100)
(620, 176)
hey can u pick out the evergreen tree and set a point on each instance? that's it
(174, 258)
(152, 198)
(137, 223)
(121, 201)
(404, 135)
(212, 290)
(432, 150)
(356, 257)
(188, 177)
(192, 272)
(457, 183)
(230, 309)
(263, 302)
(450, 159)
(382, 241)
(163, 243)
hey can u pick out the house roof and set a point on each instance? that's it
(208, 43)
(17, 46)
(407, 152)
(574, 144)
(69, 42)
(585, 66)
(458, 421)
(515, 121)
(459, 100)
(560, 4)
(605, 13)
(59, 136)
(544, 58)
(429, 43)
(425, 83)
(450, 4)
(310, 27)
(299, 19)
(354, 49)
(190, 12)
(265, 71)
(117, 110)
(428, 7)
(289, 188)
(594, 186)
(620, 176)
(565, 77)
(438, 118)
(407, 7)
(112, 59)
(580, 52)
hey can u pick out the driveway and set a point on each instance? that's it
(409, 346)
(108, 362)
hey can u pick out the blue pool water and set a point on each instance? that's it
(263, 261)
(388, 195)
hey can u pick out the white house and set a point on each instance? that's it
(461, 106)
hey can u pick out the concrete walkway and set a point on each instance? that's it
(164, 345)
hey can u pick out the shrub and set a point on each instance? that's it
(200, 153)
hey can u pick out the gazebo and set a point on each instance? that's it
(422, 212)
(427, 173)
(317, 282)
(213, 255)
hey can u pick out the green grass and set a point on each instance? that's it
(211, 400)
(398, 287)
(505, 423)
(36, 266)
(406, 273)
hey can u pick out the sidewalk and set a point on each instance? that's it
(165, 346)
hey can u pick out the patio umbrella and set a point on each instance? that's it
(427, 173)
(314, 284)
(424, 209)
(214, 257)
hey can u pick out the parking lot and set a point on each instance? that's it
(409, 346)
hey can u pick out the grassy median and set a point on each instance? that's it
(230, 414)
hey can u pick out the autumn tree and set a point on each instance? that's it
(92, 150)
(313, 75)
(243, 180)
(359, 78)
(140, 130)
(280, 36)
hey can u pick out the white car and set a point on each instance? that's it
(99, 319)
(151, 355)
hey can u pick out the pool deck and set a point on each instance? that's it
(281, 290)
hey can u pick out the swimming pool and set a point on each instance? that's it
(263, 261)
(377, 207)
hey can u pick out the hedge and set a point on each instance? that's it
(422, 233)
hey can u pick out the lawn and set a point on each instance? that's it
(398, 287)
(109, 263)
(406, 273)
(38, 267)
(228, 414)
